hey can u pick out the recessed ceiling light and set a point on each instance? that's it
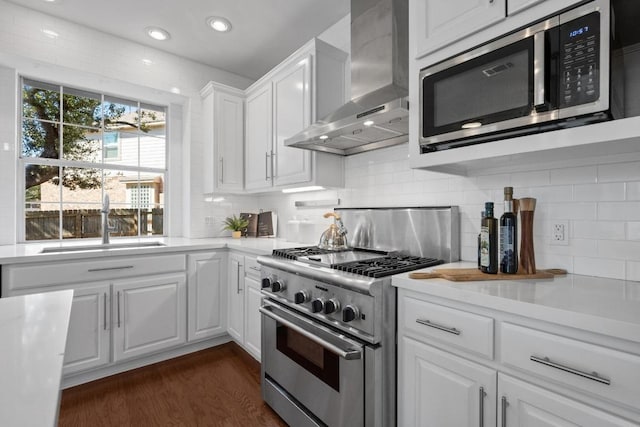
(219, 23)
(147, 61)
(175, 90)
(368, 123)
(323, 137)
(50, 33)
(157, 33)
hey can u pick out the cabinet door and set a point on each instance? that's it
(292, 114)
(229, 133)
(437, 23)
(205, 295)
(514, 6)
(235, 292)
(252, 325)
(259, 136)
(523, 404)
(149, 315)
(436, 388)
(89, 329)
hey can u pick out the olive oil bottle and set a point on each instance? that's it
(508, 235)
(489, 241)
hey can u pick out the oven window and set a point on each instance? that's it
(310, 355)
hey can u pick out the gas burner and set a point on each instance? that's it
(294, 253)
(386, 266)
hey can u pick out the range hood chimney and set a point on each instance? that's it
(378, 114)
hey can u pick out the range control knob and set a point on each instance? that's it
(300, 297)
(317, 305)
(331, 306)
(277, 286)
(266, 282)
(350, 313)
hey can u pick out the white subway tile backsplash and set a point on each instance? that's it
(528, 179)
(598, 230)
(620, 249)
(633, 190)
(619, 211)
(558, 193)
(619, 172)
(633, 270)
(599, 192)
(576, 175)
(600, 267)
(493, 181)
(576, 211)
(633, 230)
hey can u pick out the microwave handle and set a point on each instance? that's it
(539, 77)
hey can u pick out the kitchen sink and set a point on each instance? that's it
(99, 246)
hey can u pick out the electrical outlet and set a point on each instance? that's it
(560, 232)
(208, 220)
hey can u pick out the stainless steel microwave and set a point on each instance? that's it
(559, 72)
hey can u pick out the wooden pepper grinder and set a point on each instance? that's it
(527, 206)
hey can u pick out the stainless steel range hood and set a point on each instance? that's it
(378, 114)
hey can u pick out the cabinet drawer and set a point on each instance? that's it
(457, 328)
(612, 374)
(251, 267)
(24, 276)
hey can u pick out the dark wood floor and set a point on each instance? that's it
(214, 387)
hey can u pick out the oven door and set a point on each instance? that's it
(311, 375)
(507, 84)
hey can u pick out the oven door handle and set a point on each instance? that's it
(345, 353)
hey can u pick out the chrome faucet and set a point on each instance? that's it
(106, 229)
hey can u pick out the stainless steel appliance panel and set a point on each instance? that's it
(432, 232)
(298, 366)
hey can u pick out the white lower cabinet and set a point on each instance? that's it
(253, 300)
(89, 328)
(206, 296)
(543, 374)
(149, 315)
(235, 300)
(439, 389)
(524, 404)
(244, 300)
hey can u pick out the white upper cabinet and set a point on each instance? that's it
(515, 6)
(305, 87)
(223, 119)
(437, 23)
(292, 102)
(259, 142)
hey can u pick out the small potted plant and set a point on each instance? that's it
(236, 225)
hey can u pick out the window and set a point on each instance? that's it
(78, 146)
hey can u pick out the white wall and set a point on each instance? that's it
(90, 59)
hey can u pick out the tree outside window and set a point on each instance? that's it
(77, 146)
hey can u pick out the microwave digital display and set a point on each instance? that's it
(579, 31)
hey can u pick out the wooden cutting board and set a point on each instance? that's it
(473, 274)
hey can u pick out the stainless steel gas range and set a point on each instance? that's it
(329, 317)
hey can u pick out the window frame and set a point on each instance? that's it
(60, 162)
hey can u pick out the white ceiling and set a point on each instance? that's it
(264, 31)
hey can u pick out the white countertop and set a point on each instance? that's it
(606, 306)
(30, 252)
(33, 333)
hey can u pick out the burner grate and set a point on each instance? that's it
(386, 266)
(294, 253)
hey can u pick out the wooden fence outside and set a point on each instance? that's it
(87, 223)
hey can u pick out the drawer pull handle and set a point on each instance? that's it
(435, 325)
(104, 302)
(118, 296)
(503, 407)
(481, 396)
(589, 375)
(123, 267)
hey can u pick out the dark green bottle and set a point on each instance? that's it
(489, 241)
(508, 235)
